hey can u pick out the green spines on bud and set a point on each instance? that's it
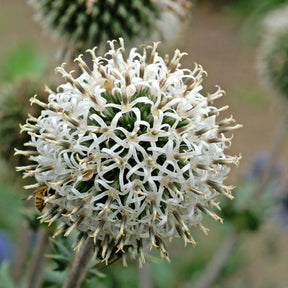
(91, 22)
(275, 63)
(14, 107)
(273, 60)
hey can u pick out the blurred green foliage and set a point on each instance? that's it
(242, 213)
(22, 61)
(6, 281)
(244, 8)
(252, 97)
(10, 207)
(251, 12)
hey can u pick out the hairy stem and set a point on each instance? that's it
(145, 280)
(22, 249)
(80, 265)
(276, 150)
(217, 263)
(36, 272)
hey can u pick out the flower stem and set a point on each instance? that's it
(80, 265)
(276, 150)
(36, 272)
(22, 249)
(145, 280)
(216, 265)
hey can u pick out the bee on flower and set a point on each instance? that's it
(131, 149)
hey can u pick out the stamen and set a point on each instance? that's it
(122, 227)
(228, 129)
(209, 212)
(153, 52)
(203, 228)
(25, 153)
(223, 189)
(218, 94)
(226, 121)
(97, 247)
(98, 229)
(216, 111)
(74, 225)
(122, 49)
(183, 226)
(140, 252)
(162, 248)
(62, 228)
(105, 245)
(84, 66)
(152, 236)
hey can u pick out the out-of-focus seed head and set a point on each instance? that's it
(14, 107)
(87, 23)
(131, 152)
(273, 55)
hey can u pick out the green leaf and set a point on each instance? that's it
(10, 207)
(6, 281)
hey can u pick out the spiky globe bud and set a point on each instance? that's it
(92, 22)
(130, 152)
(273, 59)
(14, 107)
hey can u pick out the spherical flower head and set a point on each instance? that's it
(273, 56)
(87, 23)
(130, 153)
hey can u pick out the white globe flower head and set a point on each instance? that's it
(129, 153)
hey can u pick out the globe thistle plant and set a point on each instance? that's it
(129, 153)
(273, 60)
(92, 22)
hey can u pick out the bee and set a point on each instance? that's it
(39, 198)
(39, 195)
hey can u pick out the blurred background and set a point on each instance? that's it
(224, 37)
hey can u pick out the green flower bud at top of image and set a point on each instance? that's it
(130, 153)
(92, 22)
(273, 54)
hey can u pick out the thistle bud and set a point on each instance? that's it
(87, 23)
(273, 53)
